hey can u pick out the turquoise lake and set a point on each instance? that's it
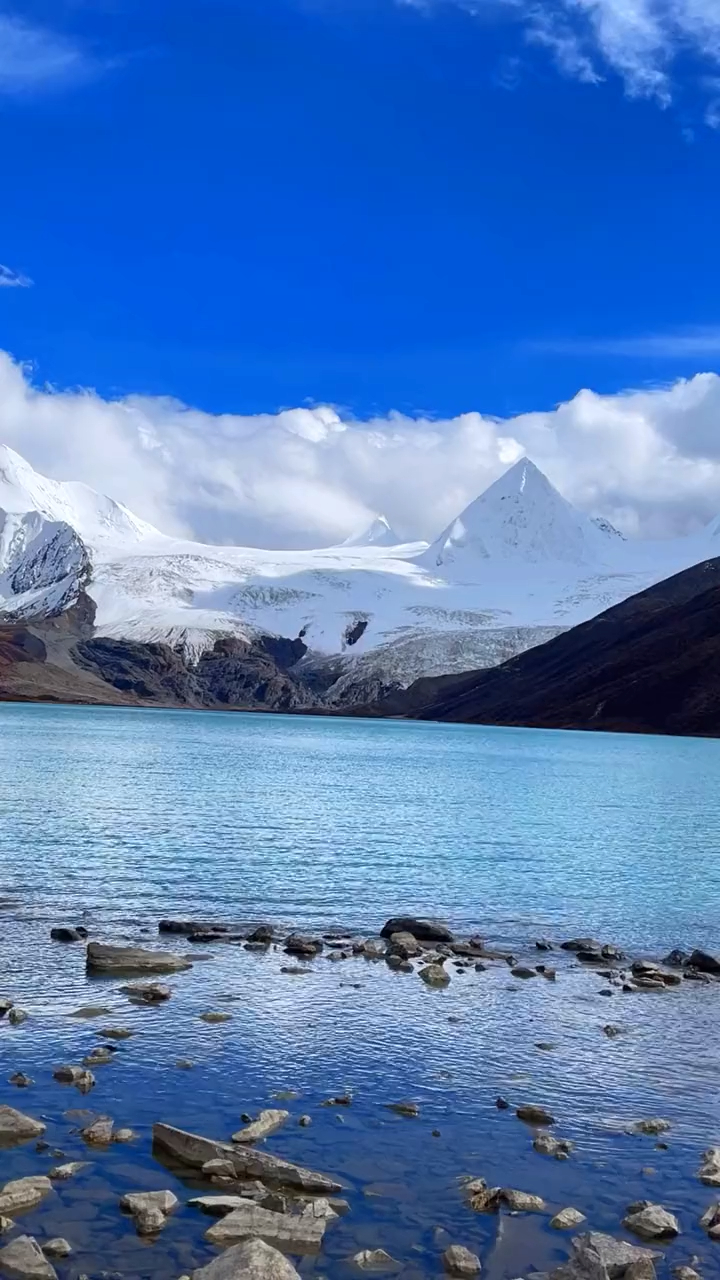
(116, 818)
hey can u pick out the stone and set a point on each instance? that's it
(459, 1261)
(69, 1074)
(645, 970)
(677, 959)
(566, 1219)
(251, 1260)
(433, 975)
(16, 1127)
(212, 1017)
(339, 1100)
(611, 1030)
(374, 949)
(58, 1247)
(643, 1269)
(533, 1114)
(502, 1104)
(685, 1273)
(90, 1011)
(710, 1168)
(542, 944)
(298, 944)
(20, 1080)
(115, 1033)
(522, 971)
(704, 962)
(219, 1206)
(61, 933)
(266, 1123)
(375, 1260)
(422, 930)
(711, 1220)
(581, 944)
(248, 1162)
(149, 1209)
(410, 1109)
(100, 1056)
(652, 1127)
(16, 1017)
(218, 1169)
(264, 934)
(305, 1122)
(123, 1135)
(651, 1222)
(6, 1224)
(103, 958)
(99, 1133)
(23, 1259)
(24, 1194)
(547, 1046)
(296, 1233)
(559, 1148)
(184, 1064)
(61, 1172)
(597, 1256)
(190, 926)
(522, 1201)
(5, 1005)
(146, 993)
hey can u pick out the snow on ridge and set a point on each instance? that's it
(379, 533)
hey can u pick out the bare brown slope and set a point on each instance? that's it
(649, 665)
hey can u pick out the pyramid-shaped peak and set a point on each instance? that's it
(379, 533)
(520, 517)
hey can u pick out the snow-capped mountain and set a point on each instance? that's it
(516, 566)
(378, 534)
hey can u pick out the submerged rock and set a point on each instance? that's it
(297, 1233)
(24, 1259)
(522, 1201)
(103, 958)
(99, 1133)
(299, 945)
(115, 1033)
(566, 1219)
(62, 1172)
(193, 1150)
(79, 1076)
(146, 993)
(410, 1109)
(523, 971)
(16, 1127)
(710, 1167)
(58, 1247)
(652, 1126)
(651, 1221)
(16, 1017)
(459, 1261)
(266, 1123)
(63, 933)
(252, 1260)
(376, 1260)
(20, 1080)
(211, 1017)
(91, 1011)
(533, 1114)
(559, 1148)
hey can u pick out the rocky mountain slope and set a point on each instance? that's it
(518, 566)
(650, 665)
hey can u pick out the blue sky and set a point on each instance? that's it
(429, 207)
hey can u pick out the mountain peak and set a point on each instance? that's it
(522, 517)
(379, 533)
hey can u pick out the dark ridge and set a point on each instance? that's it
(648, 665)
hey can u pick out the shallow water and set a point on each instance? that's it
(129, 816)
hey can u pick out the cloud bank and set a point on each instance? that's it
(647, 460)
(639, 40)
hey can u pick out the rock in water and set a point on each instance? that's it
(533, 1114)
(651, 1222)
(58, 1247)
(61, 1172)
(62, 933)
(297, 1233)
(522, 1201)
(146, 993)
(711, 1220)
(149, 1209)
(252, 1260)
(24, 1194)
(459, 1261)
(559, 1148)
(566, 1219)
(23, 1259)
(652, 1127)
(266, 1123)
(597, 1256)
(16, 1127)
(434, 975)
(103, 958)
(710, 1167)
(193, 1150)
(704, 962)
(99, 1133)
(423, 930)
(376, 1260)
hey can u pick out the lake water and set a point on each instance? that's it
(115, 818)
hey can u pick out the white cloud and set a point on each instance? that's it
(10, 279)
(690, 343)
(33, 57)
(649, 460)
(639, 40)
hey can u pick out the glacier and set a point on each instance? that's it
(517, 566)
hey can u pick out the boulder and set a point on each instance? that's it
(16, 1127)
(5, 1005)
(102, 958)
(652, 1127)
(215, 1017)
(581, 944)
(433, 975)
(296, 1233)
(264, 933)
(149, 1209)
(677, 959)
(377, 1260)
(533, 1114)
(58, 1247)
(17, 1016)
(252, 1260)
(219, 1206)
(711, 1220)
(459, 1261)
(422, 930)
(61, 1172)
(145, 993)
(410, 1109)
(62, 933)
(522, 1201)
(20, 1080)
(710, 1167)
(190, 926)
(644, 971)
(404, 945)
(566, 1219)
(704, 962)
(79, 1076)
(374, 949)
(559, 1148)
(123, 1135)
(266, 1123)
(193, 1150)
(651, 1221)
(298, 944)
(522, 971)
(23, 1259)
(596, 1256)
(99, 1132)
(24, 1194)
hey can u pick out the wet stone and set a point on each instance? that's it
(459, 1261)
